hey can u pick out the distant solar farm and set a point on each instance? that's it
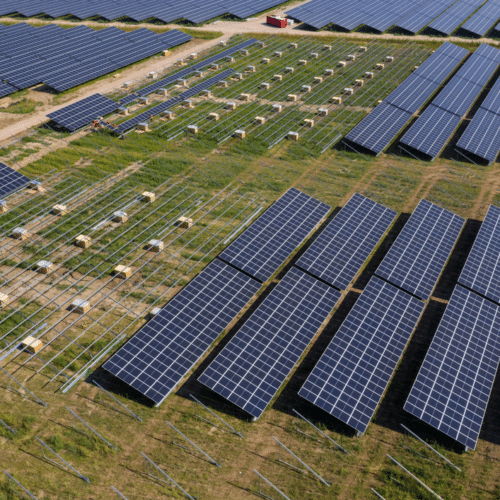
(271, 261)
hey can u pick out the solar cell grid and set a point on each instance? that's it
(258, 359)
(351, 376)
(492, 101)
(10, 180)
(458, 96)
(412, 94)
(273, 237)
(481, 272)
(453, 386)
(419, 254)
(157, 357)
(340, 251)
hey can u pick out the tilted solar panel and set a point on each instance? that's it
(482, 135)
(492, 100)
(351, 376)
(11, 180)
(163, 351)
(458, 96)
(481, 272)
(419, 254)
(453, 386)
(340, 251)
(258, 359)
(379, 128)
(412, 94)
(273, 237)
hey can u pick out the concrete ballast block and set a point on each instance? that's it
(168, 114)
(214, 66)
(266, 60)
(244, 52)
(293, 45)
(308, 122)
(199, 74)
(188, 103)
(289, 69)
(244, 97)
(59, 209)
(261, 44)
(206, 93)
(4, 208)
(318, 79)
(155, 245)
(314, 55)
(123, 111)
(230, 105)
(37, 186)
(80, 306)
(83, 241)
(342, 64)
(44, 267)
(302, 62)
(184, 222)
(120, 216)
(329, 72)
(265, 85)
(238, 76)
(327, 47)
(19, 233)
(359, 82)
(277, 108)
(337, 100)
(144, 126)
(193, 56)
(278, 54)
(349, 91)
(147, 197)
(230, 59)
(322, 111)
(32, 345)
(153, 75)
(192, 129)
(144, 100)
(222, 43)
(4, 299)
(389, 59)
(240, 134)
(182, 82)
(291, 97)
(122, 272)
(351, 57)
(306, 88)
(223, 83)
(251, 69)
(163, 92)
(369, 75)
(278, 78)
(294, 136)
(363, 49)
(380, 65)
(260, 119)
(213, 116)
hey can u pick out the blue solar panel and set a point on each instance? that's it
(412, 94)
(453, 386)
(492, 101)
(482, 135)
(481, 272)
(162, 352)
(83, 112)
(483, 19)
(430, 133)
(258, 359)
(419, 254)
(271, 239)
(11, 180)
(379, 128)
(458, 96)
(340, 251)
(351, 376)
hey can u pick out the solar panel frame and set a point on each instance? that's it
(342, 248)
(353, 373)
(264, 247)
(255, 363)
(11, 180)
(453, 386)
(162, 352)
(418, 256)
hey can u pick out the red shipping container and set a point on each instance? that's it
(279, 23)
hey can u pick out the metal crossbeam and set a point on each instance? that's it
(118, 493)
(377, 494)
(101, 388)
(281, 445)
(74, 415)
(319, 430)
(25, 388)
(8, 427)
(43, 446)
(10, 478)
(261, 493)
(189, 441)
(196, 402)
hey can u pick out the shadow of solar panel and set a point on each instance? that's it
(482, 135)
(250, 370)
(481, 272)
(11, 180)
(376, 131)
(419, 254)
(271, 239)
(453, 386)
(432, 130)
(351, 376)
(162, 352)
(83, 112)
(340, 251)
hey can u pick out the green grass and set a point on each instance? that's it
(24, 106)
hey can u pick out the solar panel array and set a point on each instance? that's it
(376, 131)
(419, 254)
(342, 248)
(453, 386)
(195, 11)
(63, 58)
(258, 359)
(441, 15)
(162, 352)
(481, 22)
(160, 108)
(195, 67)
(432, 130)
(481, 272)
(273, 237)
(351, 376)
(482, 137)
(83, 112)
(11, 180)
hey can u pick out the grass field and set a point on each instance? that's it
(220, 184)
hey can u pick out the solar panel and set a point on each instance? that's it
(272, 238)
(83, 112)
(481, 272)
(340, 251)
(453, 386)
(162, 352)
(128, 99)
(432, 130)
(258, 359)
(412, 94)
(482, 135)
(483, 19)
(440, 64)
(458, 96)
(419, 254)
(351, 376)
(492, 101)
(379, 128)
(6, 89)
(11, 180)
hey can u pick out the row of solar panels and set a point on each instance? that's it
(196, 11)
(433, 129)
(83, 112)
(443, 16)
(63, 58)
(352, 374)
(11, 180)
